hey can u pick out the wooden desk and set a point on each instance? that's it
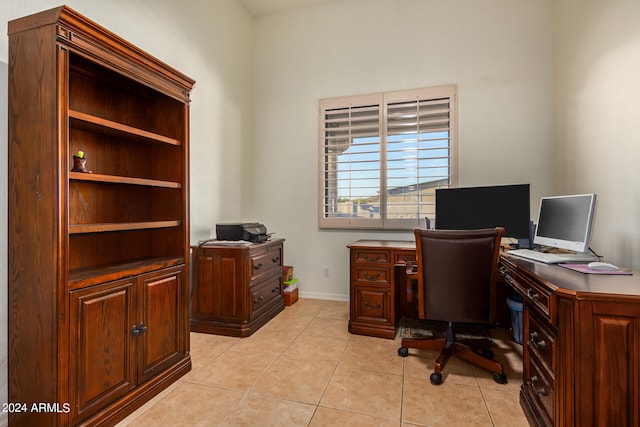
(581, 353)
(373, 292)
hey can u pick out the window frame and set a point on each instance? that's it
(382, 100)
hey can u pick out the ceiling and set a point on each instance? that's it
(266, 7)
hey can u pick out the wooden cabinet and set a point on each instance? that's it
(581, 354)
(98, 312)
(237, 289)
(372, 289)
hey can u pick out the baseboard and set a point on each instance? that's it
(324, 296)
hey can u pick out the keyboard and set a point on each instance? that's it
(549, 258)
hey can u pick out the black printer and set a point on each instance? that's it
(250, 231)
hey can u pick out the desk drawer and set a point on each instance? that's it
(372, 275)
(539, 385)
(371, 256)
(404, 257)
(371, 305)
(542, 340)
(535, 294)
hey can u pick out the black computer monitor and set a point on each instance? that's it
(469, 208)
(565, 221)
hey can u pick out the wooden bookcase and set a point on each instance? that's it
(98, 283)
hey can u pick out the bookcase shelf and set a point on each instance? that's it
(82, 176)
(81, 278)
(92, 123)
(123, 226)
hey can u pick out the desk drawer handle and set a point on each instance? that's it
(371, 277)
(532, 294)
(258, 266)
(377, 258)
(539, 344)
(540, 391)
(275, 260)
(276, 289)
(258, 300)
(371, 307)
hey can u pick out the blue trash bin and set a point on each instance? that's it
(515, 306)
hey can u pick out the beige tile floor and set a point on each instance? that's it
(303, 368)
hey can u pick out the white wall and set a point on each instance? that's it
(210, 42)
(597, 59)
(499, 52)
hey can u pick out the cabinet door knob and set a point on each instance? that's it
(134, 331)
(143, 328)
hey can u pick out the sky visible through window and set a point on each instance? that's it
(412, 159)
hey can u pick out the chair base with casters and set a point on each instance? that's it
(473, 350)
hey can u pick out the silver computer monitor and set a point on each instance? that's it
(565, 222)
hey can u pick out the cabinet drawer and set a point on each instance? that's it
(540, 386)
(264, 261)
(542, 340)
(371, 305)
(264, 294)
(372, 275)
(371, 256)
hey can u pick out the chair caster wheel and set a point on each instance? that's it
(500, 378)
(436, 379)
(487, 353)
(403, 352)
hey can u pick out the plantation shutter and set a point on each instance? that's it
(383, 155)
(419, 154)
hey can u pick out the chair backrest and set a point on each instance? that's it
(457, 271)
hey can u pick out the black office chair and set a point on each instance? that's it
(457, 271)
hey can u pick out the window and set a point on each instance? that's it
(383, 155)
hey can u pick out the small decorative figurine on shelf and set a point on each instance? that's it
(79, 163)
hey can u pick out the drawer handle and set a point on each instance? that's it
(371, 277)
(532, 294)
(540, 391)
(539, 344)
(275, 260)
(371, 307)
(258, 300)
(377, 258)
(276, 289)
(407, 259)
(258, 266)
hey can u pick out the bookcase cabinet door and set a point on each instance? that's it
(161, 324)
(101, 362)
